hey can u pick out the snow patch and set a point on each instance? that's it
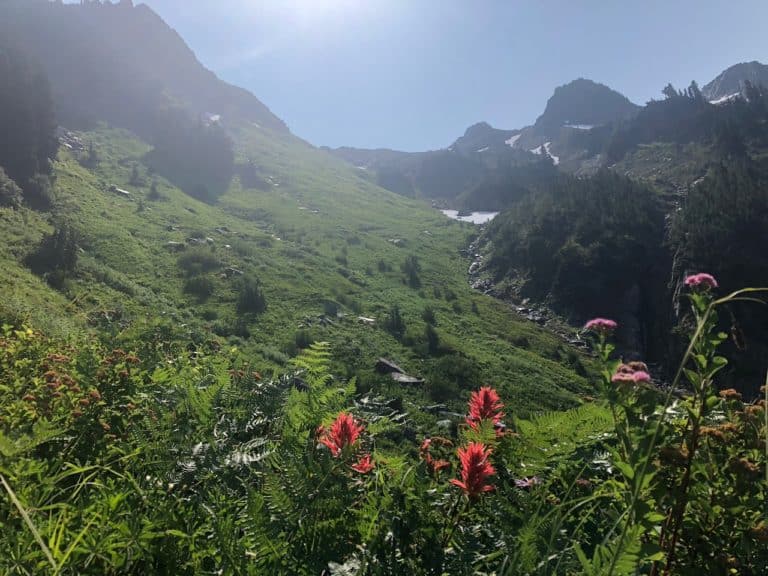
(725, 99)
(579, 126)
(545, 148)
(511, 140)
(555, 159)
(484, 149)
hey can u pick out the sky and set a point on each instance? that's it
(414, 74)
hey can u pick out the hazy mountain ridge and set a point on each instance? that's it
(122, 64)
(731, 81)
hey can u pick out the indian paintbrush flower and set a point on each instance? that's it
(475, 469)
(344, 432)
(363, 465)
(484, 404)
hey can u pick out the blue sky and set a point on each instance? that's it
(414, 74)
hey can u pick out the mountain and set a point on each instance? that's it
(730, 81)
(474, 171)
(124, 65)
(227, 230)
(583, 103)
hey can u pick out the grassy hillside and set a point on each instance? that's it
(319, 239)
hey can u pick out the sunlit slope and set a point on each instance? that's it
(317, 236)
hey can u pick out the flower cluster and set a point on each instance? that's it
(601, 325)
(631, 373)
(434, 465)
(344, 433)
(485, 404)
(475, 469)
(701, 281)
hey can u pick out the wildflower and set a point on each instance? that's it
(484, 404)
(753, 410)
(641, 376)
(364, 465)
(583, 483)
(729, 394)
(702, 281)
(76, 413)
(132, 359)
(716, 433)
(344, 432)
(728, 428)
(601, 325)
(744, 466)
(84, 402)
(526, 483)
(760, 532)
(434, 465)
(622, 378)
(28, 398)
(673, 456)
(94, 394)
(475, 469)
(631, 373)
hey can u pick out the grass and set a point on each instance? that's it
(316, 235)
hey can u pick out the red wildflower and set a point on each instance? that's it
(434, 465)
(601, 325)
(344, 432)
(475, 469)
(484, 404)
(703, 280)
(364, 465)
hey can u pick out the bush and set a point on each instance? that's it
(199, 286)
(198, 261)
(411, 268)
(394, 323)
(38, 192)
(10, 193)
(250, 299)
(57, 253)
(428, 315)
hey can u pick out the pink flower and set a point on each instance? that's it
(475, 469)
(632, 373)
(527, 482)
(703, 280)
(641, 376)
(484, 404)
(601, 325)
(364, 465)
(344, 432)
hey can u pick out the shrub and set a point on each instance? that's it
(10, 193)
(199, 286)
(411, 268)
(56, 255)
(428, 315)
(38, 192)
(198, 261)
(394, 323)
(250, 299)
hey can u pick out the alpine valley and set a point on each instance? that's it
(227, 351)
